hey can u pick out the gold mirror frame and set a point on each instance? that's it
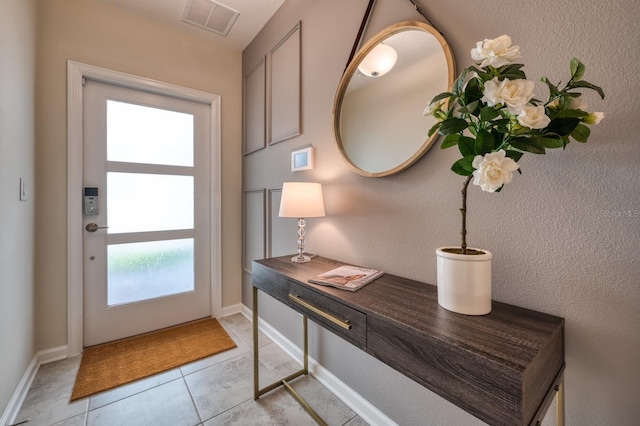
(352, 69)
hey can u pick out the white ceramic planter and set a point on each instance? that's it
(464, 282)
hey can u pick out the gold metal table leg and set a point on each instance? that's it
(560, 403)
(256, 360)
(257, 391)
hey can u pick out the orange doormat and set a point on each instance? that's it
(113, 364)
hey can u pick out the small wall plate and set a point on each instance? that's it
(303, 159)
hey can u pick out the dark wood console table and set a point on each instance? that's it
(504, 368)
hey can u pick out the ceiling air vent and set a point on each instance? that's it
(210, 15)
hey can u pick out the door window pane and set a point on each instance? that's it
(142, 271)
(139, 202)
(140, 134)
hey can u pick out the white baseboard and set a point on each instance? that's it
(18, 397)
(20, 393)
(367, 411)
(248, 313)
(51, 355)
(231, 310)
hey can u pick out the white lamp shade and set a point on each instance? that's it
(378, 61)
(301, 199)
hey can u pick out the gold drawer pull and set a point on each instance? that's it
(346, 324)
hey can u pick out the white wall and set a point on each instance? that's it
(564, 234)
(94, 33)
(17, 118)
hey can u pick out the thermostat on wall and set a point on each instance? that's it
(302, 159)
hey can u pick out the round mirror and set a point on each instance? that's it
(378, 118)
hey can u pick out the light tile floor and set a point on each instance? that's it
(214, 391)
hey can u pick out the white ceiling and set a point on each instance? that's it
(254, 14)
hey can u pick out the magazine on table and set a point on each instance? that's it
(347, 277)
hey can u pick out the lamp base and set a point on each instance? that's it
(301, 258)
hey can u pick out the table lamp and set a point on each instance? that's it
(301, 199)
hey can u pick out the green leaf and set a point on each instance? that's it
(532, 145)
(552, 142)
(512, 67)
(452, 125)
(488, 113)
(442, 95)
(581, 133)
(553, 89)
(469, 108)
(484, 142)
(450, 140)
(577, 69)
(502, 125)
(484, 76)
(466, 146)
(458, 85)
(577, 113)
(473, 91)
(463, 166)
(514, 155)
(586, 85)
(435, 127)
(512, 72)
(562, 126)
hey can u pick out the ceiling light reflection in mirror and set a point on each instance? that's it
(379, 61)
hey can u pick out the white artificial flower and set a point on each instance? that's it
(577, 103)
(554, 103)
(574, 103)
(433, 107)
(515, 94)
(493, 170)
(497, 52)
(594, 118)
(533, 117)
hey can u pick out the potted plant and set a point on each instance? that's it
(491, 115)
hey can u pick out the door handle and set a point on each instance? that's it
(93, 227)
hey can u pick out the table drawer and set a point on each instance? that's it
(346, 322)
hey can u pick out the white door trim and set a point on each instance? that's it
(76, 72)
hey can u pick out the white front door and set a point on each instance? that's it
(147, 233)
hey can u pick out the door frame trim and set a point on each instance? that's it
(76, 73)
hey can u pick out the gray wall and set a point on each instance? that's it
(564, 234)
(17, 141)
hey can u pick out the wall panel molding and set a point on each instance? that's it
(254, 108)
(285, 87)
(254, 219)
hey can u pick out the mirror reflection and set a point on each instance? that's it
(378, 114)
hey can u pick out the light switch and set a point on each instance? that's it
(24, 190)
